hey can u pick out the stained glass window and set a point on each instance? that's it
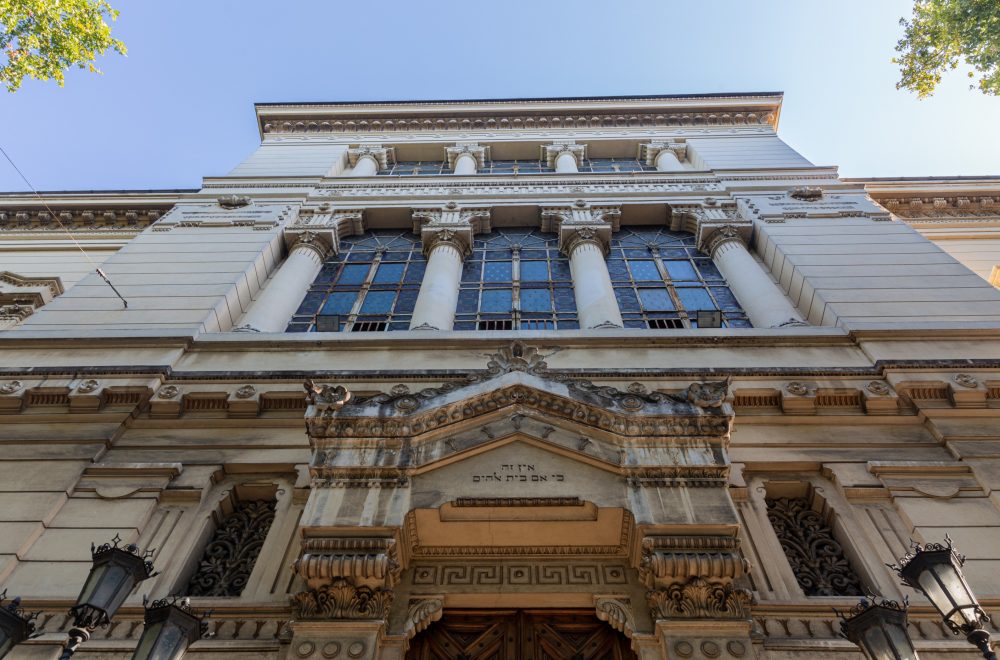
(515, 279)
(372, 284)
(661, 280)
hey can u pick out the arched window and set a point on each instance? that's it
(662, 281)
(515, 279)
(371, 285)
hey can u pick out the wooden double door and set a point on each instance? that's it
(520, 635)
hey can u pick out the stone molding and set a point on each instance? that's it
(341, 600)
(387, 122)
(322, 243)
(480, 153)
(331, 225)
(649, 151)
(257, 216)
(616, 611)
(99, 221)
(421, 613)
(698, 598)
(713, 237)
(550, 152)
(384, 156)
(21, 296)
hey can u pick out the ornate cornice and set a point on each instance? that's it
(97, 221)
(944, 209)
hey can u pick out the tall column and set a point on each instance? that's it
(665, 156)
(447, 238)
(286, 288)
(466, 158)
(584, 236)
(564, 157)
(762, 300)
(368, 160)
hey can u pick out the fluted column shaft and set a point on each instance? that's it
(596, 305)
(438, 297)
(762, 300)
(286, 288)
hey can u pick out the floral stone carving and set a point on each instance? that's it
(231, 554)
(342, 600)
(816, 558)
(699, 598)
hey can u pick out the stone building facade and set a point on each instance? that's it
(551, 378)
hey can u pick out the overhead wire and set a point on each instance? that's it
(53, 215)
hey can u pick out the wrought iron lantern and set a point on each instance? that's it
(171, 626)
(935, 570)
(878, 626)
(114, 574)
(15, 624)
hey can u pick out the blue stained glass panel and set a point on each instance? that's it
(656, 300)
(695, 298)
(565, 301)
(681, 271)
(339, 303)
(353, 274)
(536, 300)
(389, 273)
(644, 271)
(415, 272)
(708, 269)
(627, 301)
(468, 300)
(498, 271)
(534, 271)
(497, 301)
(472, 270)
(378, 302)
(407, 300)
(725, 298)
(617, 270)
(561, 271)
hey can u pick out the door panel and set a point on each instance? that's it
(520, 635)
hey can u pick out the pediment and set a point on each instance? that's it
(517, 377)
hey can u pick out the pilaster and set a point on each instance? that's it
(552, 152)
(382, 155)
(651, 152)
(480, 153)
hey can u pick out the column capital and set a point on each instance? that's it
(319, 241)
(713, 236)
(581, 223)
(648, 152)
(480, 153)
(383, 155)
(552, 151)
(450, 225)
(333, 224)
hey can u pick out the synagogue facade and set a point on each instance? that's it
(535, 378)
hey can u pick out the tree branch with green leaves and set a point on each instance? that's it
(41, 39)
(944, 33)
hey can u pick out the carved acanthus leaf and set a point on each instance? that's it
(342, 600)
(699, 598)
(617, 612)
(421, 613)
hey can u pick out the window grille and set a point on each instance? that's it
(662, 281)
(816, 557)
(370, 286)
(231, 553)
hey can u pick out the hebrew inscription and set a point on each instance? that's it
(509, 473)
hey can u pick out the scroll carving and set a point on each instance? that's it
(816, 558)
(231, 554)
(421, 613)
(617, 612)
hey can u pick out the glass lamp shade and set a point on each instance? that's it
(170, 629)
(114, 574)
(936, 571)
(880, 630)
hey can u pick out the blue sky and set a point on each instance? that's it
(179, 107)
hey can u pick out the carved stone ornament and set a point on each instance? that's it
(966, 380)
(699, 598)
(878, 388)
(88, 386)
(314, 241)
(637, 388)
(168, 392)
(816, 557)
(519, 376)
(807, 193)
(342, 600)
(797, 388)
(421, 613)
(617, 612)
(230, 202)
(11, 387)
(245, 392)
(230, 555)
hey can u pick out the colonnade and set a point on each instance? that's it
(584, 237)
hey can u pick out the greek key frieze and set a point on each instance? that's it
(519, 574)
